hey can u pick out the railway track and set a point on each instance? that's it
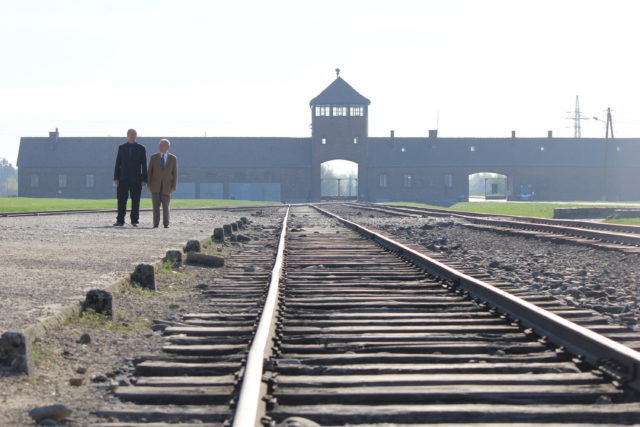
(357, 329)
(610, 236)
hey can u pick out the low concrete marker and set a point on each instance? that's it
(16, 353)
(144, 275)
(240, 225)
(100, 301)
(227, 229)
(198, 258)
(173, 256)
(192, 246)
(218, 235)
(234, 226)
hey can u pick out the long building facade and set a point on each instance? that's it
(426, 169)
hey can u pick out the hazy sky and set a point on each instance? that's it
(249, 68)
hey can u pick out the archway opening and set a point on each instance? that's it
(484, 186)
(339, 180)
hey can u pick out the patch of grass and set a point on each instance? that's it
(625, 221)
(532, 209)
(167, 267)
(175, 288)
(29, 204)
(135, 288)
(120, 323)
(212, 248)
(42, 355)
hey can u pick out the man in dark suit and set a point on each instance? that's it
(130, 176)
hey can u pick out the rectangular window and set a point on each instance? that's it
(356, 110)
(323, 110)
(407, 181)
(89, 181)
(448, 180)
(62, 181)
(355, 139)
(324, 141)
(339, 110)
(34, 181)
(383, 180)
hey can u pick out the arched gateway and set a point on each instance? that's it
(339, 130)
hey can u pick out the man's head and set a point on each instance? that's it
(131, 135)
(164, 145)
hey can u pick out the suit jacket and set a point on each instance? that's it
(166, 178)
(131, 167)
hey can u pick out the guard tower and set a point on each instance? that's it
(339, 123)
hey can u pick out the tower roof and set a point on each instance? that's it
(339, 92)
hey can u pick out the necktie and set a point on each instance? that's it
(164, 160)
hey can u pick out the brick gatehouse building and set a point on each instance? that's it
(427, 168)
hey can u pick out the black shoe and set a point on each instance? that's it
(166, 226)
(155, 225)
(118, 224)
(135, 224)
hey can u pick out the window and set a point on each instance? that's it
(324, 141)
(62, 181)
(403, 149)
(339, 110)
(472, 148)
(407, 181)
(356, 110)
(355, 139)
(448, 180)
(34, 180)
(618, 149)
(323, 110)
(89, 181)
(542, 148)
(383, 180)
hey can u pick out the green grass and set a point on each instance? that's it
(532, 209)
(27, 204)
(120, 323)
(625, 221)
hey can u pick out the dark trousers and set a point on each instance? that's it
(124, 189)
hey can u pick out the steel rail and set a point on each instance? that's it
(249, 401)
(619, 361)
(603, 234)
(617, 228)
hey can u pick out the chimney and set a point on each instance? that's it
(513, 134)
(549, 134)
(54, 135)
(433, 134)
(393, 134)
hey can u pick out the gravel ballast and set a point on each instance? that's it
(50, 262)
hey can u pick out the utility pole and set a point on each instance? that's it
(609, 124)
(606, 152)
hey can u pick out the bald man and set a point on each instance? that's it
(162, 180)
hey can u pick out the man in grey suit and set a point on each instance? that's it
(163, 179)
